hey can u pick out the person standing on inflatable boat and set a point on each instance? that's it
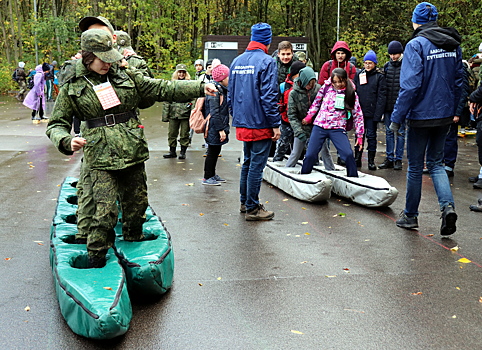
(105, 97)
(430, 87)
(335, 104)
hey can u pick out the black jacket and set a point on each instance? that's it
(372, 95)
(392, 78)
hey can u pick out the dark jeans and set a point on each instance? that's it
(40, 111)
(211, 160)
(394, 152)
(426, 145)
(478, 140)
(255, 158)
(451, 146)
(284, 145)
(341, 142)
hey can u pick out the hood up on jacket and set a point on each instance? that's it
(341, 46)
(445, 38)
(306, 75)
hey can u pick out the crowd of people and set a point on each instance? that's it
(279, 107)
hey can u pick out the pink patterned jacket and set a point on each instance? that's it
(327, 117)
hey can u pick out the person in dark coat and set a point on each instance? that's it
(394, 145)
(218, 125)
(430, 88)
(370, 87)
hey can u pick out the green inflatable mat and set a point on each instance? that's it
(148, 268)
(94, 302)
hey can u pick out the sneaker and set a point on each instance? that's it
(407, 222)
(387, 164)
(397, 165)
(211, 182)
(449, 218)
(219, 179)
(474, 178)
(477, 207)
(478, 184)
(242, 208)
(259, 214)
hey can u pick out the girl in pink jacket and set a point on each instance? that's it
(335, 106)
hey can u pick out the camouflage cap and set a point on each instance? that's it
(99, 42)
(123, 40)
(181, 67)
(86, 22)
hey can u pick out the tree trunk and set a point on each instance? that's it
(57, 38)
(12, 31)
(4, 34)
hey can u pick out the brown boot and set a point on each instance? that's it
(259, 214)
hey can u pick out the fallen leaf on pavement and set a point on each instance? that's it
(464, 260)
(27, 308)
(454, 249)
(8, 259)
(201, 214)
(417, 293)
(296, 332)
(108, 288)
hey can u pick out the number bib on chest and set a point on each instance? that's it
(106, 95)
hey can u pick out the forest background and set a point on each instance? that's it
(168, 32)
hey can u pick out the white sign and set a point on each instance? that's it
(220, 45)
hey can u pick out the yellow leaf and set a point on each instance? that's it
(200, 284)
(303, 262)
(226, 224)
(430, 235)
(457, 288)
(7, 259)
(464, 260)
(332, 276)
(305, 223)
(27, 308)
(307, 233)
(305, 209)
(108, 288)
(296, 332)
(219, 278)
(417, 293)
(480, 299)
(201, 214)
(190, 184)
(454, 316)
(454, 249)
(285, 200)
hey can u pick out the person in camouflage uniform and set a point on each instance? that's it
(177, 114)
(126, 50)
(304, 92)
(113, 141)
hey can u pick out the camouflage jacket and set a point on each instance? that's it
(139, 63)
(66, 72)
(177, 110)
(124, 144)
(299, 102)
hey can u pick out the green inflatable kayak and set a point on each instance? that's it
(95, 302)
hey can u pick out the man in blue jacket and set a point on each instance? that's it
(253, 97)
(430, 87)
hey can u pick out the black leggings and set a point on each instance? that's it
(40, 111)
(211, 161)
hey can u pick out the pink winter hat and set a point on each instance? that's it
(220, 72)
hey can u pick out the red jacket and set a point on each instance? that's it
(328, 66)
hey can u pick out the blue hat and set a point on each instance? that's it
(395, 47)
(424, 12)
(261, 33)
(371, 56)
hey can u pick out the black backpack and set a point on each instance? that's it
(14, 75)
(30, 82)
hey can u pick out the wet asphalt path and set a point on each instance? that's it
(309, 279)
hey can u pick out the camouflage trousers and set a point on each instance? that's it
(99, 210)
(178, 127)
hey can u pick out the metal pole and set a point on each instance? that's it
(35, 31)
(338, 23)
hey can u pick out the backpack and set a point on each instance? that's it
(473, 83)
(14, 75)
(30, 82)
(197, 121)
(283, 103)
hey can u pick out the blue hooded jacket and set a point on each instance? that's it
(431, 77)
(253, 91)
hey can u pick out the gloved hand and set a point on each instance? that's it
(394, 127)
